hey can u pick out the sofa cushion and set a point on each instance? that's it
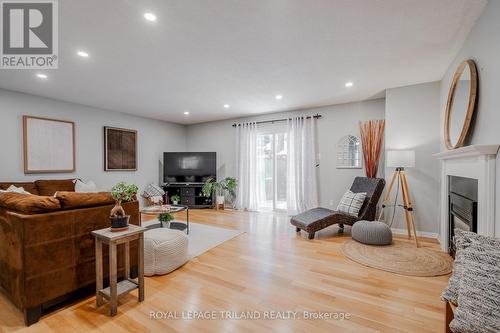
(27, 186)
(27, 203)
(15, 189)
(73, 200)
(49, 187)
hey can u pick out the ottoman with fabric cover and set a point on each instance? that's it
(164, 250)
(372, 233)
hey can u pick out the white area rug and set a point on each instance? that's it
(204, 237)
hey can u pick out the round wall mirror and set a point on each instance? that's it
(461, 104)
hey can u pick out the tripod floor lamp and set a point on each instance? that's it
(401, 159)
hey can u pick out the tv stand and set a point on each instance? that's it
(190, 194)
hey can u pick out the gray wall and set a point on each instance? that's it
(483, 46)
(412, 123)
(337, 121)
(154, 137)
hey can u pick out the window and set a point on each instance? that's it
(272, 167)
(349, 153)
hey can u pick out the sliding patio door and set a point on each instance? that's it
(272, 167)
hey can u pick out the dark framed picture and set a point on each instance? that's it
(120, 149)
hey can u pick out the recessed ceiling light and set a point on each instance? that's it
(227, 106)
(186, 113)
(150, 16)
(278, 97)
(82, 54)
(41, 76)
(349, 84)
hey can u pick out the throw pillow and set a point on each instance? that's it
(351, 203)
(27, 186)
(15, 189)
(479, 295)
(28, 204)
(463, 239)
(87, 187)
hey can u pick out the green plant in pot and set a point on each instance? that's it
(166, 218)
(219, 188)
(175, 199)
(121, 192)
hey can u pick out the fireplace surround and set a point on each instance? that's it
(476, 162)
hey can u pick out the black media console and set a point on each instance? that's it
(190, 194)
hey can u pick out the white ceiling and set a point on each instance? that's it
(202, 54)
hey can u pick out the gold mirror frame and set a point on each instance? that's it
(470, 108)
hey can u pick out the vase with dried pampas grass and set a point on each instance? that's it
(372, 134)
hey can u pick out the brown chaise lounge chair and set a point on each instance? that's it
(319, 218)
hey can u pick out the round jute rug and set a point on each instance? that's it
(400, 257)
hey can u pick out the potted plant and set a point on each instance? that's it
(121, 192)
(166, 218)
(175, 199)
(212, 186)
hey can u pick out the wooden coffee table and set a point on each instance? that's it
(158, 210)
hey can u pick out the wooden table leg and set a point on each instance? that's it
(98, 272)
(127, 260)
(140, 269)
(113, 299)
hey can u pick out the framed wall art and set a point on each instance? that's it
(120, 149)
(48, 145)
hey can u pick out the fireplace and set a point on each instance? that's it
(476, 163)
(462, 207)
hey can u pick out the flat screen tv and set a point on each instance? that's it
(189, 168)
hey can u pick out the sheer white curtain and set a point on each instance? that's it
(249, 185)
(302, 188)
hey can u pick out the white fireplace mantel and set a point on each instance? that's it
(476, 162)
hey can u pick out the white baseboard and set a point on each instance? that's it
(427, 234)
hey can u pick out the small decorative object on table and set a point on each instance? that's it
(121, 192)
(175, 199)
(153, 195)
(166, 218)
(154, 201)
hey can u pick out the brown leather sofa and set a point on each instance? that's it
(46, 256)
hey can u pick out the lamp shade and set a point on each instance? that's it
(400, 158)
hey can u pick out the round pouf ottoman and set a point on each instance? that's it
(372, 233)
(164, 250)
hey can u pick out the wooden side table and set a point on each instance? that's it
(117, 289)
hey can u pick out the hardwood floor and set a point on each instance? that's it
(268, 268)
